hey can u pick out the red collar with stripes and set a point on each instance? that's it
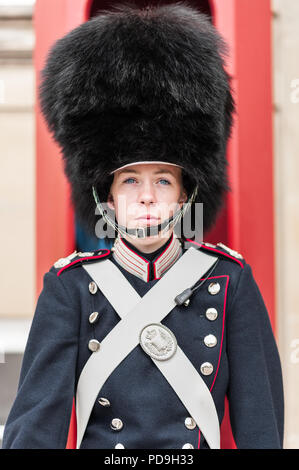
(140, 266)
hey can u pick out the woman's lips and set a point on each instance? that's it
(148, 220)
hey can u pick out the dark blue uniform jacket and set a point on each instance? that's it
(246, 366)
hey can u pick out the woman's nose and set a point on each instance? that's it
(147, 194)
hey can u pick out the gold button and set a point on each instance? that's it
(211, 314)
(210, 341)
(104, 401)
(119, 446)
(206, 368)
(92, 287)
(190, 423)
(188, 446)
(94, 345)
(116, 424)
(93, 317)
(214, 288)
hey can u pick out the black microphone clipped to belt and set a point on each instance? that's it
(184, 297)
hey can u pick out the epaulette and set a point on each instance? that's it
(222, 249)
(77, 258)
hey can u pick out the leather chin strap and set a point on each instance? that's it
(143, 232)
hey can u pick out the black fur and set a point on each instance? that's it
(133, 84)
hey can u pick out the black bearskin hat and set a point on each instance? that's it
(135, 85)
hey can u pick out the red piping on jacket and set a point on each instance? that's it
(155, 273)
(82, 259)
(166, 259)
(121, 249)
(137, 266)
(148, 263)
(216, 251)
(222, 334)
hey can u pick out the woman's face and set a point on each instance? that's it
(146, 194)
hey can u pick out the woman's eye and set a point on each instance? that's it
(167, 182)
(133, 180)
(129, 179)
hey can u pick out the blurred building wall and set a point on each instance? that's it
(17, 187)
(17, 195)
(286, 154)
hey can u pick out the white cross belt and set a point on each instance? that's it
(136, 313)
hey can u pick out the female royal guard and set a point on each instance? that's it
(152, 335)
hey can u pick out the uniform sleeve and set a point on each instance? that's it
(40, 415)
(255, 392)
